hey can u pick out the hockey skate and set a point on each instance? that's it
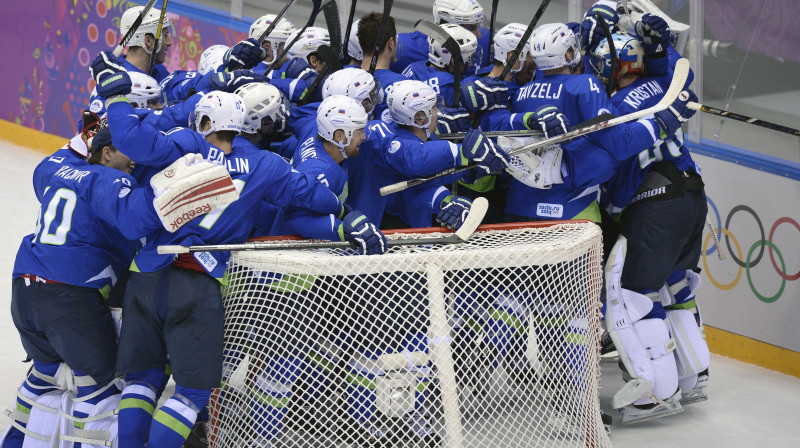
(698, 392)
(640, 413)
(197, 438)
(608, 352)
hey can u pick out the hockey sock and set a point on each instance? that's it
(272, 394)
(41, 380)
(173, 421)
(137, 406)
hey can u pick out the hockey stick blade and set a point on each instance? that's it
(440, 36)
(474, 219)
(611, 50)
(346, 34)
(331, 14)
(524, 40)
(134, 27)
(743, 118)
(680, 74)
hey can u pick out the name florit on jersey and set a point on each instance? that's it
(233, 164)
(541, 91)
(649, 89)
(69, 173)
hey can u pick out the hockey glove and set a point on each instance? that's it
(453, 211)
(592, 31)
(452, 119)
(477, 148)
(246, 54)
(655, 35)
(359, 230)
(110, 74)
(671, 118)
(550, 120)
(229, 82)
(480, 94)
(298, 68)
(190, 187)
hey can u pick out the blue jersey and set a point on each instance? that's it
(483, 54)
(418, 205)
(390, 154)
(179, 84)
(440, 81)
(386, 78)
(97, 103)
(313, 160)
(257, 175)
(303, 121)
(89, 225)
(411, 47)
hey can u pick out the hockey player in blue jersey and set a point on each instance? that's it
(438, 70)
(143, 345)
(94, 212)
(274, 42)
(368, 27)
(657, 277)
(469, 15)
(140, 47)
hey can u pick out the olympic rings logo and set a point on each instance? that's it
(748, 262)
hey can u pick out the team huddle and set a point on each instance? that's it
(282, 140)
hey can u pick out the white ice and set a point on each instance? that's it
(748, 406)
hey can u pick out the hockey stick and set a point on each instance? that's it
(524, 40)
(474, 218)
(317, 6)
(607, 31)
(440, 36)
(331, 13)
(155, 50)
(346, 36)
(134, 27)
(275, 21)
(526, 133)
(720, 254)
(387, 8)
(332, 64)
(679, 78)
(743, 118)
(490, 48)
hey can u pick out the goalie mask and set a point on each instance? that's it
(145, 91)
(549, 46)
(211, 58)
(353, 45)
(467, 42)
(340, 112)
(505, 42)
(411, 103)
(462, 12)
(149, 25)
(354, 83)
(225, 112)
(266, 107)
(630, 58)
(277, 36)
(311, 38)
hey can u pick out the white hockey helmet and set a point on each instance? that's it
(353, 45)
(149, 24)
(340, 112)
(406, 99)
(462, 12)
(506, 40)
(354, 83)
(467, 41)
(266, 108)
(211, 58)
(308, 42)
(549, 45)
(226, 112)
(630, 58)
(277, 36)
(145, 91)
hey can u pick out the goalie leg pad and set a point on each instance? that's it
(691, 349)
(89, 416)
(271, 395)
(191, 187)
(36, 411)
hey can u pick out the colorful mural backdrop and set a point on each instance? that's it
(49, 44)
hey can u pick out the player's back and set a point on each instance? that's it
(579, 97)
(440, 81)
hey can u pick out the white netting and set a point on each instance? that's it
(489, 343)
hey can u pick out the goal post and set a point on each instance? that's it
(493, 342)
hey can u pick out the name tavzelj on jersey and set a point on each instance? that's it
(70, 173)
(539, 90)
(635, 97)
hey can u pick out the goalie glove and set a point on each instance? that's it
(190, 187)
(534, 171)
(453, 211)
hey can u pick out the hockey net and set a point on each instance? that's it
(490, 343)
